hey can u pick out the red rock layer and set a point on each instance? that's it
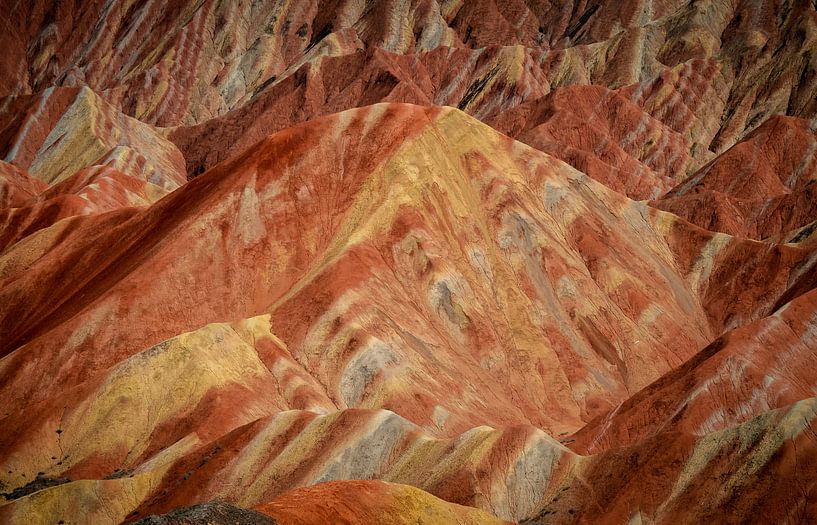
(385, 274)
(760, 471)
(730, 381)
(734, 472)
(157, 64)
(90, 191)
(62, 130)
(481, 82)
(762, 187)
(16, 186)
(375, 502)
(604, 135)
(349, 291)
(269, 196)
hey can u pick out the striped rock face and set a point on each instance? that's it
(408, 262)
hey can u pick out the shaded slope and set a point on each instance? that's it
(212, 513)
(57, 132)
(760, 471)
(93, 190)
(185, 62)
(16, 186)
(751, 370)
(762, 187)
(481, 82)
(603, 134)
(197, 60)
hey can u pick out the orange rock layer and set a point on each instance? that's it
(435, 262)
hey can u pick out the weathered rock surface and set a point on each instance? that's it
(763, 187)
(732, 472)
(211, 513)
(400, 262)
(376, 502)
(517, 220)
(731, 380)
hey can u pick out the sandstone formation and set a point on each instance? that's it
(375, 502)
(760, 188)
(408, 262)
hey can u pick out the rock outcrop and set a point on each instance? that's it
(401, 262)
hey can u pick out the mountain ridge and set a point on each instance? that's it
(453, 262)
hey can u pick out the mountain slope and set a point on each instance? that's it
(384, 301)
(415, 260)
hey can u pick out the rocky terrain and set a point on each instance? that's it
(417, 261)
